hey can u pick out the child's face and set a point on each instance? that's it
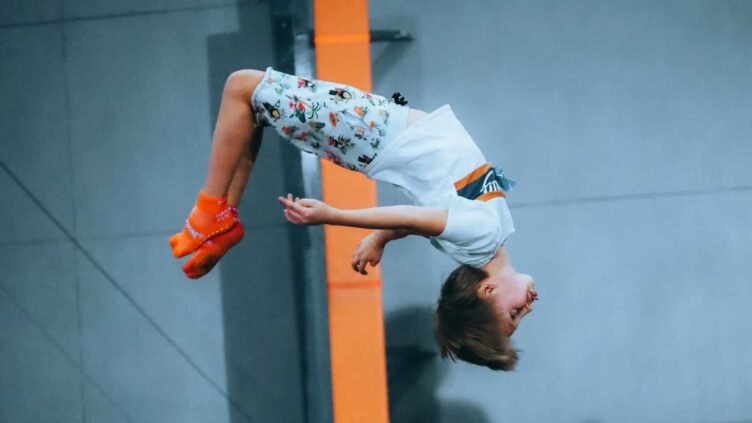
(513, 297)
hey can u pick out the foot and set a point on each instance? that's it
(210, 217)
(209, 253)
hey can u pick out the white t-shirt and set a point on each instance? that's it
(426, 160)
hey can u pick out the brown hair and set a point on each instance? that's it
(466, 327)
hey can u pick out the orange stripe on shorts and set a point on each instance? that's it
(471, 177)
(489, 195)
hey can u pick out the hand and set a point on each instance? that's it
(306, 211)
(370, 251)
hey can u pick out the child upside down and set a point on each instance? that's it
(459, 198)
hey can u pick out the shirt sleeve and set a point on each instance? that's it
(473, 232)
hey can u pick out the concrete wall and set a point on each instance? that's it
(106, 118)
(627, 125)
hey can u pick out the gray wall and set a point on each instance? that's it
(106, 118)
(627, 125)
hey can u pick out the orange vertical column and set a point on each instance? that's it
(356, 326)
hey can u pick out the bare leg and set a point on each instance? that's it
(244, 168)
(235, 144)
(230, 144)
(207, 256)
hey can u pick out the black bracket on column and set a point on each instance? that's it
(390, 36)
(379, 36)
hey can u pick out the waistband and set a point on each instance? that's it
(397, 121)
(484, 183)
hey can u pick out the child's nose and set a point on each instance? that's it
(531, 288)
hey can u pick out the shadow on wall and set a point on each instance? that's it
(261, 302)
(395, 66)
(415, 371)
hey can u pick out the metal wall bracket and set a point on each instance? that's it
(378, 36)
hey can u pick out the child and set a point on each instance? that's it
(459, 198)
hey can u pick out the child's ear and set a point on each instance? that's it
(486, 289)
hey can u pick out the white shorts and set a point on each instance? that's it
(337, 122)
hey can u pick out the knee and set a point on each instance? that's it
(243, 82)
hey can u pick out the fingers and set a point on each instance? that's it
(289, 216)
(293, 212)
(359, 263)
(289, 202)
(295, 203)
(303, 211)
(306, 202)
(362, 267)
(294, 217)
(289, 199)
(355, 262)
(294, 200)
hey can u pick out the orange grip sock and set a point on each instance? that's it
(210, 217)
(209, 253)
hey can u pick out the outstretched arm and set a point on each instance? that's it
(402, 219)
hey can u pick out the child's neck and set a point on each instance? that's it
(498, 264)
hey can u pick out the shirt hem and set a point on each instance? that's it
(425, 120)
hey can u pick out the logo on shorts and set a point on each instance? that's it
(482, 184)
(490, 183)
